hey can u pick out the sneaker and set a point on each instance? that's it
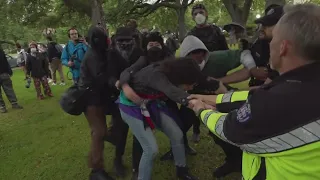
(62, 84)
(53, 84)
(195, 137)
(100, 175)
(226, 169)
(3, 110)
(49, 80)
(16, 106)
(119, 168)
(50, 95)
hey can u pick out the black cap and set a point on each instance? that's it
(124, 33)
(154, 37)
(272, 17)
(198, 6)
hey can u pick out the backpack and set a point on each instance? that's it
(74, 100)
(59, 48)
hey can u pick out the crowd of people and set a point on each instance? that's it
(271, 131)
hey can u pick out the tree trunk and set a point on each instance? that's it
(237, 14)
(278, 2)
(181, 22)
(97, 15)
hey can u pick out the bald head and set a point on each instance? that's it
(300, 25)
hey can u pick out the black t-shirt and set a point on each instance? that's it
(211, 36)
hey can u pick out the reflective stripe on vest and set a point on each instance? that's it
(304, 135)
(232, 97)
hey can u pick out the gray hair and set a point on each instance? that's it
(301, 25)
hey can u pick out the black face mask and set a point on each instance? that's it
(155, 54)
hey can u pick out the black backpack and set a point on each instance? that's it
(74, 100)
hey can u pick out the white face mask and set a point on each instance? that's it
(202, 64)
(200, 19)
(33, 50)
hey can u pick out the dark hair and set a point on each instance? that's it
(182, 71)
(18, 45)
(49, 38)
(72, 28)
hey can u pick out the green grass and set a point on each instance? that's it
(41, 142)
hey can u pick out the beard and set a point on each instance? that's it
(125, 53)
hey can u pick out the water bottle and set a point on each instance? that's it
(28, 82)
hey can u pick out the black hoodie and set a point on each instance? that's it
(4, 65)
(94, 65)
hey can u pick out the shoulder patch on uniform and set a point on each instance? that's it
(244, 113)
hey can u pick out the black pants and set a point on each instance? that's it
(189, 119)
(6, 85)
(233, 153)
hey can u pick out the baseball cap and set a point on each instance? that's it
(124, 33)
(272, 16)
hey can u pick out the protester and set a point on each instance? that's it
(215, 65)
(54, 54)
(6, 84)
(38, 69)
(290, 149)
(73, 53)
(147, 110)
(123, 54)
(171, 42)
(210, 35)
(94, 75)
(131, 23)
(21, 59)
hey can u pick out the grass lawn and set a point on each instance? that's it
(41, 142)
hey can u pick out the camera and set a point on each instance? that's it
(28, 83)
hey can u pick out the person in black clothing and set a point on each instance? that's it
(210, 35)
(94, 75)
(38, 69)
(54, 54)
(123, 54)
(6, 84)
(260, 49)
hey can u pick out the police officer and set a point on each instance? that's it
(260, 49)
(210, 35)
(278, 127)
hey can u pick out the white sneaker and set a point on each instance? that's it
(62, 84)
(49, 80)
(53, 84)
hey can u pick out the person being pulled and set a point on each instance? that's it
(94, 75)
(122, 55)
(210, 35)
(147, 109)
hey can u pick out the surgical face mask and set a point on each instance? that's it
(200, 19)
(33, 50)
(202, 64)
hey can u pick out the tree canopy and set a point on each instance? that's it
(25, 20)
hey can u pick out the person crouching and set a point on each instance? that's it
(37, 68)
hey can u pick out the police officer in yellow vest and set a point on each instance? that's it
(278, 125)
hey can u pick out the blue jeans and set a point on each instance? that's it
(149, 145)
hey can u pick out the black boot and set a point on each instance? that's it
(134, 175)
(167, 156)
(119, 167)
(99, 175)
(227, 168)
(183, 174)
